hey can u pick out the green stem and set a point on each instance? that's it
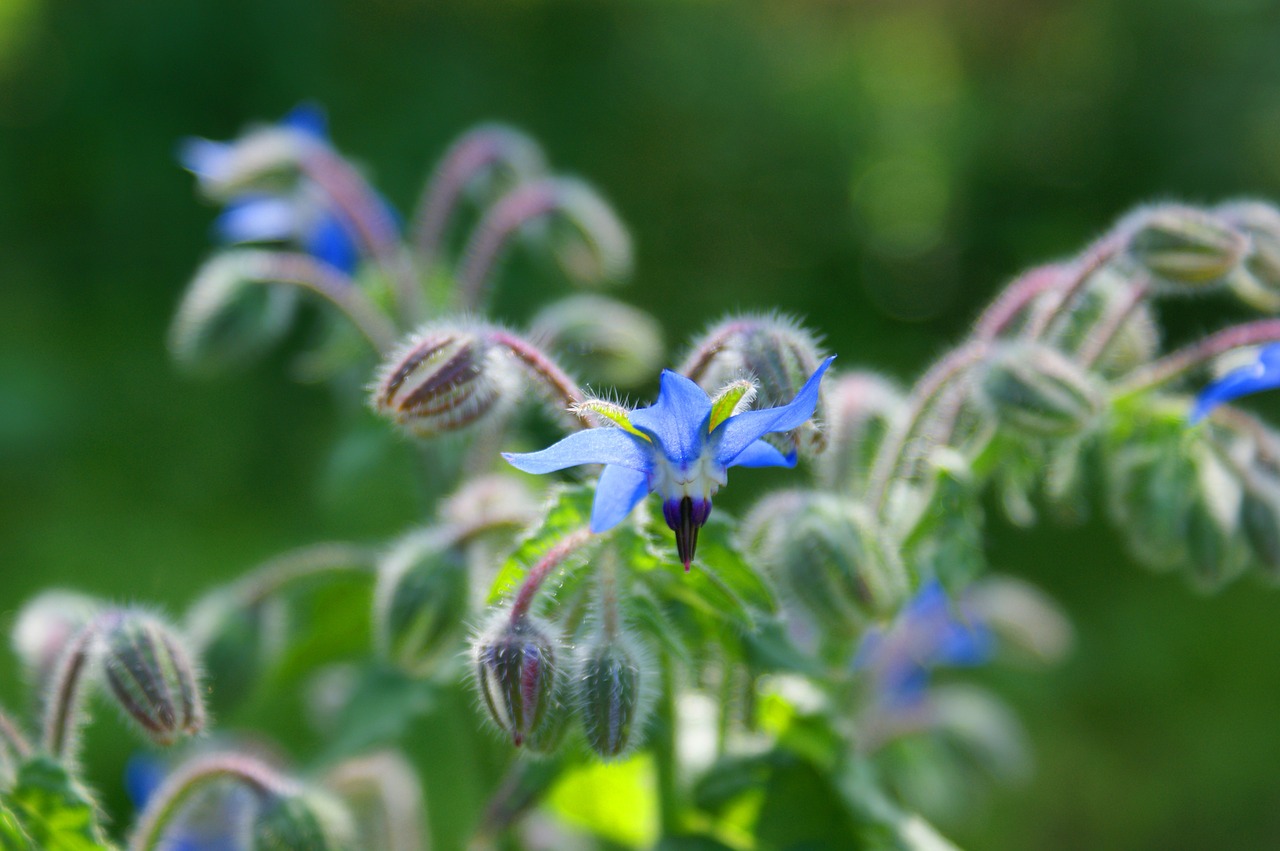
(1184, 360)
(301, 565)
(664, 753)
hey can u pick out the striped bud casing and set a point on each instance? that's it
(516, 670)
(1036, 391)
(151, 676)
(420, 603)
(829, 557)
(601, 339)
(301, 821)
(445, 378)
(778, 355)
(1258, 282)
(1184, 248)
(610, 686)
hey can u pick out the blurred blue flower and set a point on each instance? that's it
(1262, 374)
(304, 215)
(211, 831)
(930, 632)
(682, 447)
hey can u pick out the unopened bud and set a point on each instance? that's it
(516, 672)
(589, 240)
(1037, 391)
(862, 407)
(484, 503)
(421, 602)
(612, 682)
(43, 628)
(301, 821)
(1185, 248)
(1109, 297)
(1258, 284)
(264, 159)
(835, 562)
(234, 641)
(227, 316)
(777, 354)
(445, 378)
(151, 675)
(602, 339)
(1260, 519)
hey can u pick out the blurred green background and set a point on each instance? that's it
(879, 167)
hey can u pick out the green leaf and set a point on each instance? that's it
(53, 809)
(568, 510)
(12, 836)
(719, 556)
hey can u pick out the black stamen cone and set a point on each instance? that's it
(686, 532)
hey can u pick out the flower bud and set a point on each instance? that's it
(1185, 248)
(1258, 284)
(1110, 292)
(834, 562)
(445, 378)
(301, 821)
(227, 316)
(862, 407)
(590, 242)
(602, 339)
(43, 628)
(777, 354)
(151, 675)
(420, 602)
(611, 685)
(234, 642)
(516, 673)
(1036, 391)
(1260, 520)
(264, 159)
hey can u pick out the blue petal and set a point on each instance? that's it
(617, 492)
(678, 420)
(964, 644)
(761, 454)
(143, 774)
(735, 434)
(204, 158)
(257, 218)
(330, 240)
(308, 118)
(1263, 374)
(592, 446)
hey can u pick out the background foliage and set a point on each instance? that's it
(877, 167)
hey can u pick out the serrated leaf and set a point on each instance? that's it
(55, 812)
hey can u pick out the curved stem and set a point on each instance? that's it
(374, 225)
(13, 738)
(893, 453)
(396, 791)
(552, 559)
(1093, 259)
(187, 780)
(66, 688)
(1015, 299)
(564, 388)
(301, 270)
(493, 235)
(300, 565)
(1177, 364)
(700, 358)
(1101, 337)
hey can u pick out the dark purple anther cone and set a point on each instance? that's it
(685, 517)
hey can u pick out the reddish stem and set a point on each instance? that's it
(552, 559)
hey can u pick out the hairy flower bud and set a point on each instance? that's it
(516, 671)
(611, 684)
(773, 351)
(602, 339)
(151, 675)
(832, 559)
(301, 821)
(444, 378)
(44, 626)
(1258, 283)
(1034, 390)
(861, 408)
(420, 602)
(1185, 248)
(227, 316)
(1260, 520)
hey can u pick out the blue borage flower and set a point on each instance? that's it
(682, 446)
(303, 216)
(213, 826)
(931, 631)
(1262, 374)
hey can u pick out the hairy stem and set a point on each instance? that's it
(494, 233)
(1015, 299)
(189, 779)
(301, 565)
(552, 559)
(66, 691)
(565, 390)
(1177, 364)
(1101, 337)
(1081, 270)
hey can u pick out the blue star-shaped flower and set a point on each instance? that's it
(303, 216)
(1262, 374)
(929, 632)
(682, 447)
